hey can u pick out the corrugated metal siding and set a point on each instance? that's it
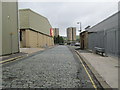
(24, 19)
(9, 25)
(112, 42)
(104, 39)
(119, 31)
(110, 22)
(0, 28)
(91, 41)
(32, 20)
(119, 42)
(105, 35)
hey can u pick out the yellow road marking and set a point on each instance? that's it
(11, 59)
(87, 73)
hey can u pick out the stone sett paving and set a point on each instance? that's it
(53, 68)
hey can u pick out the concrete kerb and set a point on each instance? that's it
(95, 73)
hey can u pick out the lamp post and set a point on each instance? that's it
(80, 26)
(80, 32)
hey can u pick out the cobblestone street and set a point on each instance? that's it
(53, 68)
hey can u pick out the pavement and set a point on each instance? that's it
(30, 50)
(57, 67)
(104, 68)
(23, 52)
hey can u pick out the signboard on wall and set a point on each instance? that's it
(51, 32)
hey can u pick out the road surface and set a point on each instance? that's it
(54, 68)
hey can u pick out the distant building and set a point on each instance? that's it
(9, 42)
(71, 34)
(56, 32)
(74, 34)
(34, 30)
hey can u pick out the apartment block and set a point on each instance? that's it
(71, 34)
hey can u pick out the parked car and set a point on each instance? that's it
(61, 43)
(77, 44)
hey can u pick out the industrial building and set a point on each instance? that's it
(56, 32)
(34, 30)
(84, 40)
(9, 42)
(71, 34)
(0, 41)
(104, 35)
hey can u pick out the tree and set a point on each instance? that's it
(61, 40)
(58, 39)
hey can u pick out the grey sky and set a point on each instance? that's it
(67, 14)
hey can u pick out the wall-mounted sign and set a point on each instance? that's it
(51, 32)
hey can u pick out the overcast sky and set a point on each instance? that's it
(67, 14)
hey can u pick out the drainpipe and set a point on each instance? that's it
(11, 34)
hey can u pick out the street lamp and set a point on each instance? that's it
(80, 26)
(80, 32)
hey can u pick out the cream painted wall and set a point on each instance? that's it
(33, 20)
(24, 19)
(10, 42)
(0, 28)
